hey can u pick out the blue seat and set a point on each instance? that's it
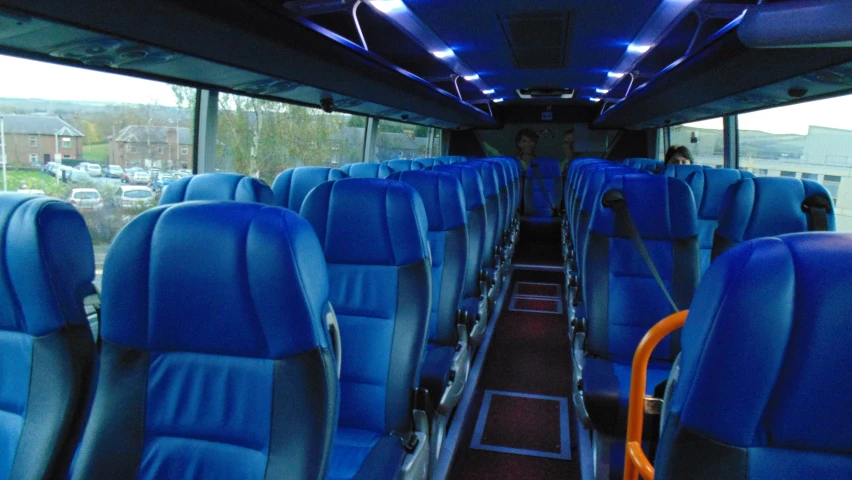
(447, 360)
(505, 197)
(769, 206)
(403, 165)
(219, 368)
(218, 186)
(428, 162)
(46, 346)
(451, 159)
(708, 187)
(621, 298)
(681, 171)
(649, 164)
(366, 170)
(509, 205)
(474, 303)
(543, 189)
(293, 185)
(761, 392)
(373, 234)
(491, 256)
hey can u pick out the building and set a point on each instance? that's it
(36, 139)
(152, 147)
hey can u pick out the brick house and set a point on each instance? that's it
(35, 139)
(151, 146)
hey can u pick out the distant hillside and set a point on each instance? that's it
(753, 143)
(64, 107)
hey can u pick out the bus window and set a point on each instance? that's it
(704, 140)
(402, 140)
(69, 130)
(262, 138)
(810, 140)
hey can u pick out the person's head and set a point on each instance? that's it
(525, 141)
(678, 155)
(568, 142)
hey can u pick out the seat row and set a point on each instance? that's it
(220, 321)
(636, 246)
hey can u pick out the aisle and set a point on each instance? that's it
(523, 422)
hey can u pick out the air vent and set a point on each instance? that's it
(545, 92)
(538, 40)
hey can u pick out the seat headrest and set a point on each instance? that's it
(768, 206)
(488, 173)
(48, 264)
(471, 183)
(662, 207)
(291, 186)
(222, 278)
(218, 187)
(368, 222)
(709, 185)
(510, 164)
(595, 183)
(451, 159)
(547, 168)
(504, 176)
(366, 170)
(765, 345)
(403, 165)
(681, 171)
(428, 162)
(442, 197)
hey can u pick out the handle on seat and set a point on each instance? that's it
(635, 461)
(334, 333)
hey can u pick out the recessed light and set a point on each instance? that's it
(488, 92)
(471, 78)
(498, 100)
(614, 75)
(594, 99)
(602, 91)
(387, 6)
(443, 53)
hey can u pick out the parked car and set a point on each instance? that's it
(114, 171)
(63, 172)
(79, 176)
(136, 175)
(128, 196)
(31, 191)
(162, 181)
(92, 169)
(86, 199)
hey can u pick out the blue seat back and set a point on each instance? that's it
(622, 299)
(649, 164)
(768, 206)
(583, 179)
(539, 203)
(373, 234)
(293, 185)
(428, 162)
(575, 169)
(503, 185)
(590, 198)
(46, 346)
(761, 392)
(403, 165)
(681, 171)
(451, 159)
(511, 172)
(708, 188)
(366, 170)
(471, 183)
(218, 186)
(218, 367)
(446, 214)
(488, 173)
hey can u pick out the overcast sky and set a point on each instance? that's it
(30, 79)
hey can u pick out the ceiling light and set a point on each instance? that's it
(498, 100)
(614, 75)
(602, 91)
(471, 78)
(443, 53)
(387, 6)
(633, 48)
(595, 99)
(488, 92)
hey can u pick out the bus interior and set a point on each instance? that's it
(379, 239)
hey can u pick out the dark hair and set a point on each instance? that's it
(567, 131)
(678, 150)
(526, 132)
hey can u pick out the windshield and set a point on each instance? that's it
(87, 195)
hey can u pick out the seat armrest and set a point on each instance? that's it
(458, 374)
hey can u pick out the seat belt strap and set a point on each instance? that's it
(614, 200)
(817, 208)
(553, 211)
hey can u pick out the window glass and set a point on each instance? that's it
(704, 139)
(262, 138)
(402, 140)
(52, 126)
(813, 139)
(437, 145)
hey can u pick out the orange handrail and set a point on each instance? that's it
(635, 460)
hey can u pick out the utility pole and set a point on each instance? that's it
(3, 152)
